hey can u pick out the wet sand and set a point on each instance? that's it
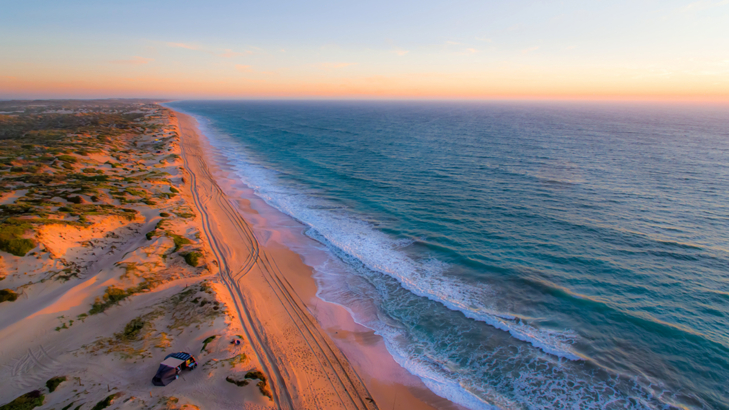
(318, 357)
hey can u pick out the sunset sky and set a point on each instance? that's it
(646, 49)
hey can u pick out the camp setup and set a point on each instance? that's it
(172, 366)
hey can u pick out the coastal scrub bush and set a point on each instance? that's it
(67, 158)
(8, 295)
(68, 406)
(11, 240)
(193, 258)
(164, 214)
(132, 329)
(179, 240)
(262, 385)
(206, 341)
(256, 374)
(173, 189)
(112, 296)
(53, 383)
(106, 402)
(238, 383)
(28, 401)
(75, 199)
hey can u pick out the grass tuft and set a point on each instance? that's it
(8, 295)
(106, 402)
(206, 341)
(28, 401)
(111, 297)
(53, 383)
(179, 240)
(193, 258)
(132, 329)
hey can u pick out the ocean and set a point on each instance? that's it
(513, 255)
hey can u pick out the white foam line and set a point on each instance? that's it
(380, 253)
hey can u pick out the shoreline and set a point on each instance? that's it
(389, 385)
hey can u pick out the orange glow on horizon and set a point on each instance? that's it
(414, 86)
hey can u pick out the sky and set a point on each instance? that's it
(587, 49)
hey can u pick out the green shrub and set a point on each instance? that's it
(97, 178)
(106, 402)
(180, 241)
(262, 385)
(75, 199)
(28, 401)
(16, 169)
(239, 383)
(173, 189)
(111, 297)
(206, 341)
(11, 240)
(151, 235)
(17, 247)
(256, 374)
(8, 295)
(53, 383)
(67, 158)
(164, 214)
(132, 329)
(193, 258)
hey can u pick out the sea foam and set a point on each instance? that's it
(377, 251)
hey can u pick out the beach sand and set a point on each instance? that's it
(168, 195)
(62, 325)
(317, 355)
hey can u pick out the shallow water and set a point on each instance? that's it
(516, 255)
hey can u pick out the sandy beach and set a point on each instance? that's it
(142, 244)
(319, 355)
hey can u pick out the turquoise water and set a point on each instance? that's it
(512, 255)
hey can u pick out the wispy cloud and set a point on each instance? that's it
(183, 45)
(136, 60)
(333, 66)
(228, 53)
(400, 52)
(529, 50)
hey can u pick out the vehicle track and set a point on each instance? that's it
(350, 390)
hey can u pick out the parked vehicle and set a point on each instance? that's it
(170, 368)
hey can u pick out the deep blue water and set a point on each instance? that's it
(517, 255)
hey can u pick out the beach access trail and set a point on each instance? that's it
(306, 370)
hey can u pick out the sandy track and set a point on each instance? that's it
(305, 368)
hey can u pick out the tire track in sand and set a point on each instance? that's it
(349, 389)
